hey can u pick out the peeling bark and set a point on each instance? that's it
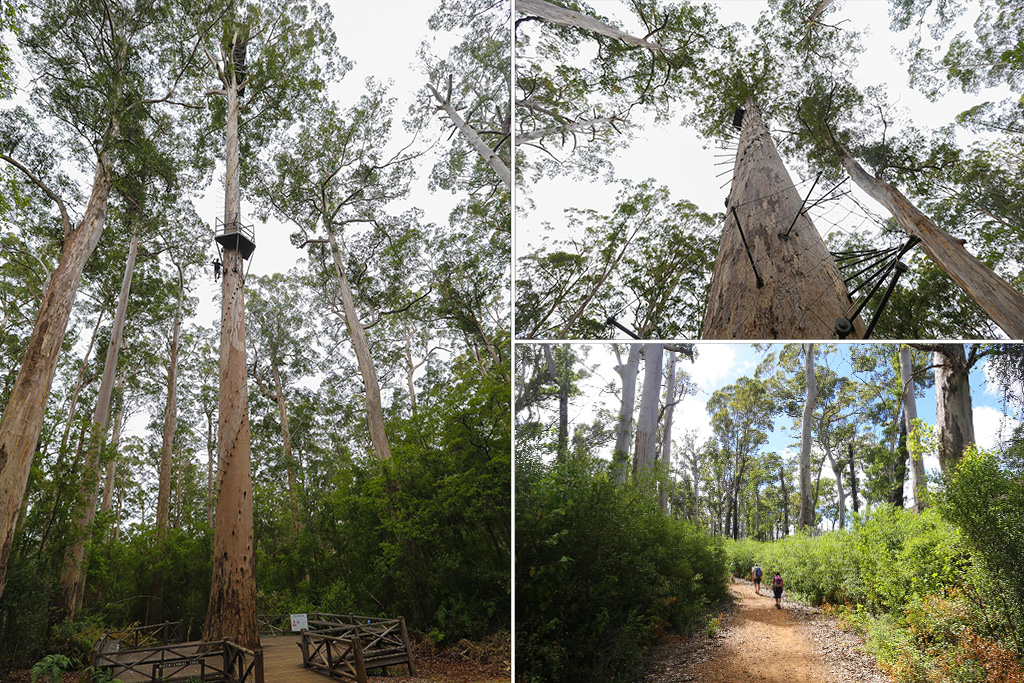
(23, 417)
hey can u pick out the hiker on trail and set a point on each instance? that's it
(777, 587)
(755, 575)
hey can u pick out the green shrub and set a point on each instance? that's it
(599, 569)
(51, 668)
(984, 497)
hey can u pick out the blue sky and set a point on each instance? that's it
(721, 364)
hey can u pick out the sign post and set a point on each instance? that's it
(299, 622)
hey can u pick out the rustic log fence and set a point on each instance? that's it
(219, 660)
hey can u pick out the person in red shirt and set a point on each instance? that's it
(777, 587)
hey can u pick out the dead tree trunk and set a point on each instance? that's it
(23, 417)
(231, 612)
(624, 427)
(917, 477)
(1003, 303)
(774, 277)
(807, 505)
(73, 574)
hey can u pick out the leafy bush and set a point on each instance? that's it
(886, 558)
(984, 497)
(598, 569)
(51, 668)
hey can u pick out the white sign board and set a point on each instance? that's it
(299, 622)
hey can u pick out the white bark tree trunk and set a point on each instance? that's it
(624, 427)
(374, 412)
(807, 511)
(489, 155)
(666, 432)
(1003, 303)
(73, 572)
(917, 476)
(646, 445)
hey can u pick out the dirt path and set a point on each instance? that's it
(764, 644)
(758, 643)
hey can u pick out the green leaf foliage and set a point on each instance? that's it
(598, 570)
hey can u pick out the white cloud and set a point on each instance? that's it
(991, 427)
(714, 363)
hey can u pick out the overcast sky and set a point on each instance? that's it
(678, 158)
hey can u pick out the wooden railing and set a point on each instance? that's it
(219, 660)
(273, 624)
(140, 636)
(347, 646)
(334, 655)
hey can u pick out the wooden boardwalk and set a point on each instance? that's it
(282, 661)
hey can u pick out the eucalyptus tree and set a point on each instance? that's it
(740, 415)
(336, 177)
(98, 71)
(627, 370)
(646, 257)
(918, 482)
(583, 110)
(645, 446)
(992, 56)
(278, 57)
(472, 86)
(800, 75)
(283, 351)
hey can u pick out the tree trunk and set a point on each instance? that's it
(289, 459)
(115, 441)
(774, 278)
(1003, 303)
(23, 416)
(73, 573)
(810, 399)
(154, 612)
(231, 612)
(374, 412)
(954, 413)
(646, 445)
(785, 501)
(624, 426)
(840, 491)
(853, 480)
(486, 153)
(917, 476)
(666, 432)
(900, 468)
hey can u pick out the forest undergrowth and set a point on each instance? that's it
(937, 595)
(601, 572)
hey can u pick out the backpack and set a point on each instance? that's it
(777, 581)
(757, 572)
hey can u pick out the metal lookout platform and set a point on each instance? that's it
(234, 235)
